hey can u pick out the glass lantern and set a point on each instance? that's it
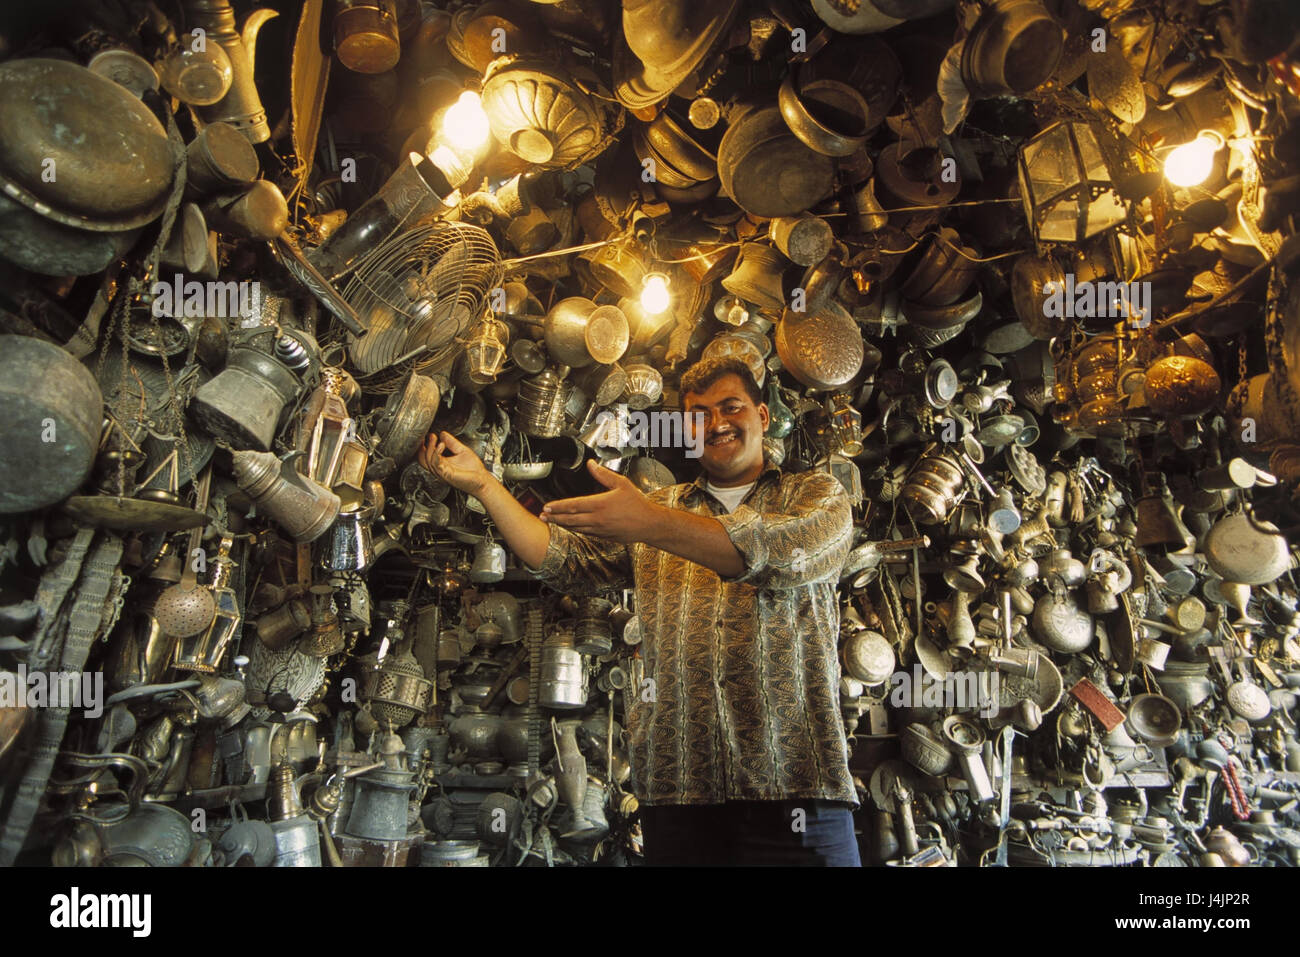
(485, 350)
(1066, 185)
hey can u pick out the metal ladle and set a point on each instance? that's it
(185, 609)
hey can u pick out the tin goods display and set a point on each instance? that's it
(1034, 305)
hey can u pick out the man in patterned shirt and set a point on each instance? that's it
(738, 749)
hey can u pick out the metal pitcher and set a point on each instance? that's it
(241, 405)
(303, 508)
(241, 107)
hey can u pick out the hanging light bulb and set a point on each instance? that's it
(465, 124)
(1191, 163)
(655, 297)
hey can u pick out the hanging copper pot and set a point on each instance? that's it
(366, 38)
(767, 171)
(619, 267)
(681, 150)
(111, 159)
(828, 116)
(578, 332)
(1012, 49)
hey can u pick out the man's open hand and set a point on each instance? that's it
(461, 469)
(623, 514)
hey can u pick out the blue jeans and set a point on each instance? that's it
(796, 833)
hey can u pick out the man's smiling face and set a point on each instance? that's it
(732, 427)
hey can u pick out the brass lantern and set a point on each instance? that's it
(1066, 185)
(485, 350)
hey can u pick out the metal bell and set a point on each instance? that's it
(489, 562)
(1157, 525)
(757, 277)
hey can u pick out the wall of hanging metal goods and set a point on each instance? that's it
(1021, 274)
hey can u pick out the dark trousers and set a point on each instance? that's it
(796, 833)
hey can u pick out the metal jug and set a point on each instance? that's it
(297, 838)
(300, 506)
(379, 810)
(241, 107)
(241, 405)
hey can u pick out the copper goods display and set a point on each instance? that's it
(1016, 282)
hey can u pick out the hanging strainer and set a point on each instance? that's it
(185, 609)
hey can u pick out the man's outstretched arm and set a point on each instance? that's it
(565, 560)
(625, 515)
(525, 534)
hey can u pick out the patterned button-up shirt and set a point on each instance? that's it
(742, 697)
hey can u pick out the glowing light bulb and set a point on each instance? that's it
(1191, 163)
(654, 293)
(465, 125)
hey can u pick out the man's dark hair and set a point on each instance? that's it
(704, 373)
